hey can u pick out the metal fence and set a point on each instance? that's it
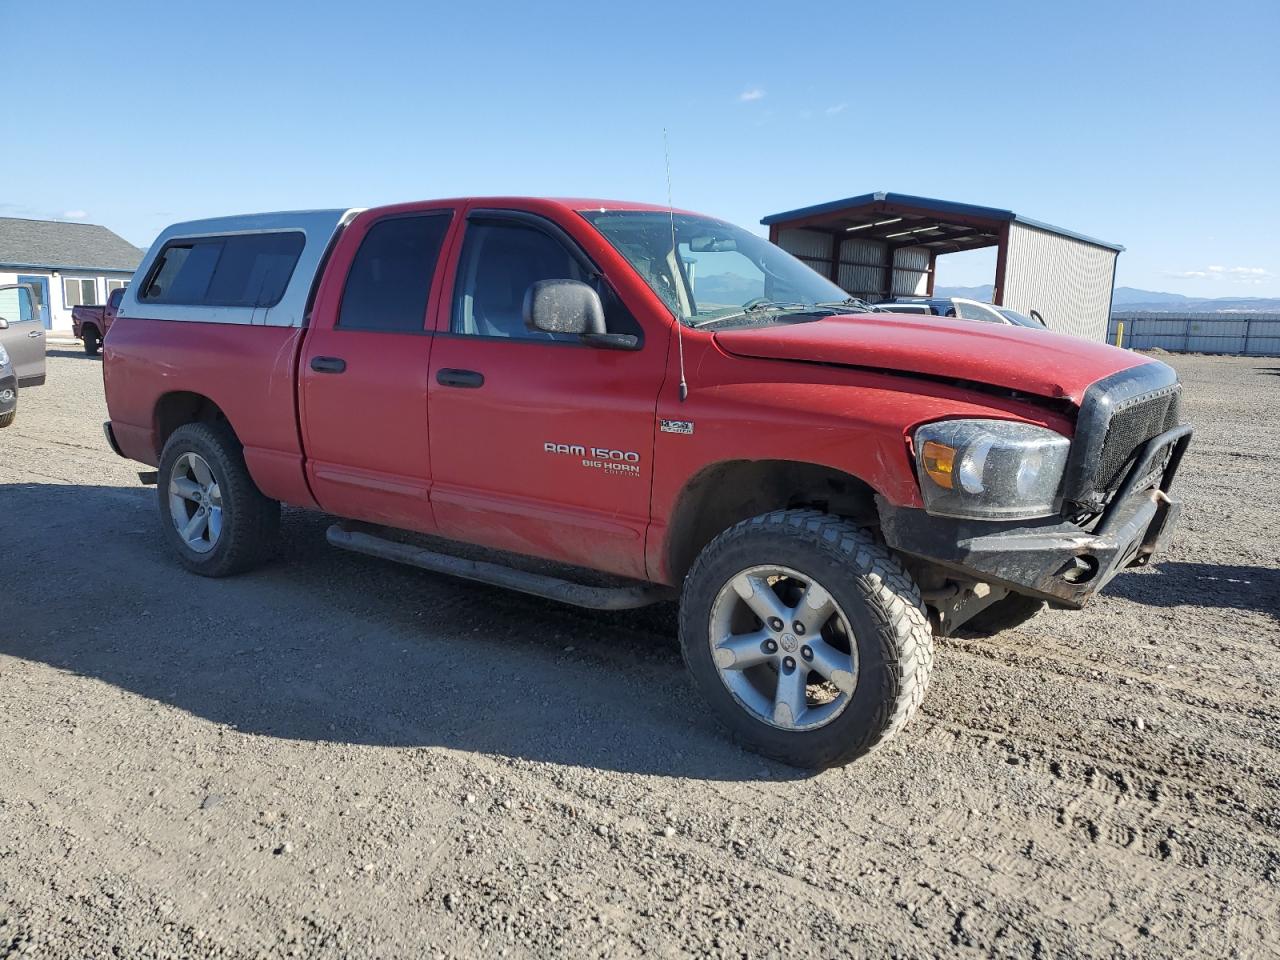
(1254, 334)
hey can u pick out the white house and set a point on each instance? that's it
(68, 264)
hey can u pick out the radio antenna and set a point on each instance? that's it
(675, 266)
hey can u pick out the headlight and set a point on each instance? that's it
(990, 469)
(4, 355)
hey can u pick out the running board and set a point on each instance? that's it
(540, 585)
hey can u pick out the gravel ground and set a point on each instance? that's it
(339, 757)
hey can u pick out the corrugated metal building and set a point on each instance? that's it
(883, 245)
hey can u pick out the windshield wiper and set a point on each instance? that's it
(759, 306)
(856, 302)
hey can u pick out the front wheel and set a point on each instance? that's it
(806, 637)
(213, 514)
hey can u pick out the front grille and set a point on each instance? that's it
(1133, 424)
(1118, 415)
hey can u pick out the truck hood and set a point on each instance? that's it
(1031, 361)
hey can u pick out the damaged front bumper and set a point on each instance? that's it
(1052, 558)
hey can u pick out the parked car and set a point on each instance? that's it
(22, 333)
(8, 389)
(91, 324)
(822, 489)
(1020, 319)
(965, 309)
(902, 306)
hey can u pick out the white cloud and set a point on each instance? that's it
(74, 214)
(838, 108)
(753, 93)
(1216, 271)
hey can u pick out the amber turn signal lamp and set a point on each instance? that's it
(938, 460)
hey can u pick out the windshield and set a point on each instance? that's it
(1021, 319)
(721, 273)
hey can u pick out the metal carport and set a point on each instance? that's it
(883, 245)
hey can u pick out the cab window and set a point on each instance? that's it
(390, 279)
(500, 261)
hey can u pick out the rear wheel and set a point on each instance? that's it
(91, 341)
(217, 520)
(806, 637)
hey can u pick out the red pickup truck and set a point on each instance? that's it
(654, 405)
(91, 324)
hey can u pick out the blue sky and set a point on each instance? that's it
(1151, 124)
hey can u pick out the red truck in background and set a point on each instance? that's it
(91, 324)
(655, 405)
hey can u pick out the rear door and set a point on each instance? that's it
(22, 333)
(365, 369)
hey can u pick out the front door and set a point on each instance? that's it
(364, 371)
(22, 333)
(40, 288)
(539, 445)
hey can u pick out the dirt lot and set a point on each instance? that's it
(336, 756)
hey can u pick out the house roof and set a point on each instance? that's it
(925, 215)
(57, 245)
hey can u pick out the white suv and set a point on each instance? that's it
(965, 310)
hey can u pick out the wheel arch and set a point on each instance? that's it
(179, 407)
(727, 492)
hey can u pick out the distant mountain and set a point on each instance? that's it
(1127, 295)
(1152, 301)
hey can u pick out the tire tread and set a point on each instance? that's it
(893, 599)
(255, 519)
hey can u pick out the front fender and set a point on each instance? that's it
(853, 421)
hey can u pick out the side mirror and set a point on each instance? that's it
(563, 306)
(4, 324)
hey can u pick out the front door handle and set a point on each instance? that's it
(36, 333)
(328, 364)
(448, 377)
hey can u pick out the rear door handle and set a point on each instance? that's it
(328, 364)
(448, 377)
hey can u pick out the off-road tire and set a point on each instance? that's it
(1005, 614)
(92, 342)
(880, 600)
(250, 521)
(7, 418)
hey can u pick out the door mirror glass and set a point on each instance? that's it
(563, 306)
